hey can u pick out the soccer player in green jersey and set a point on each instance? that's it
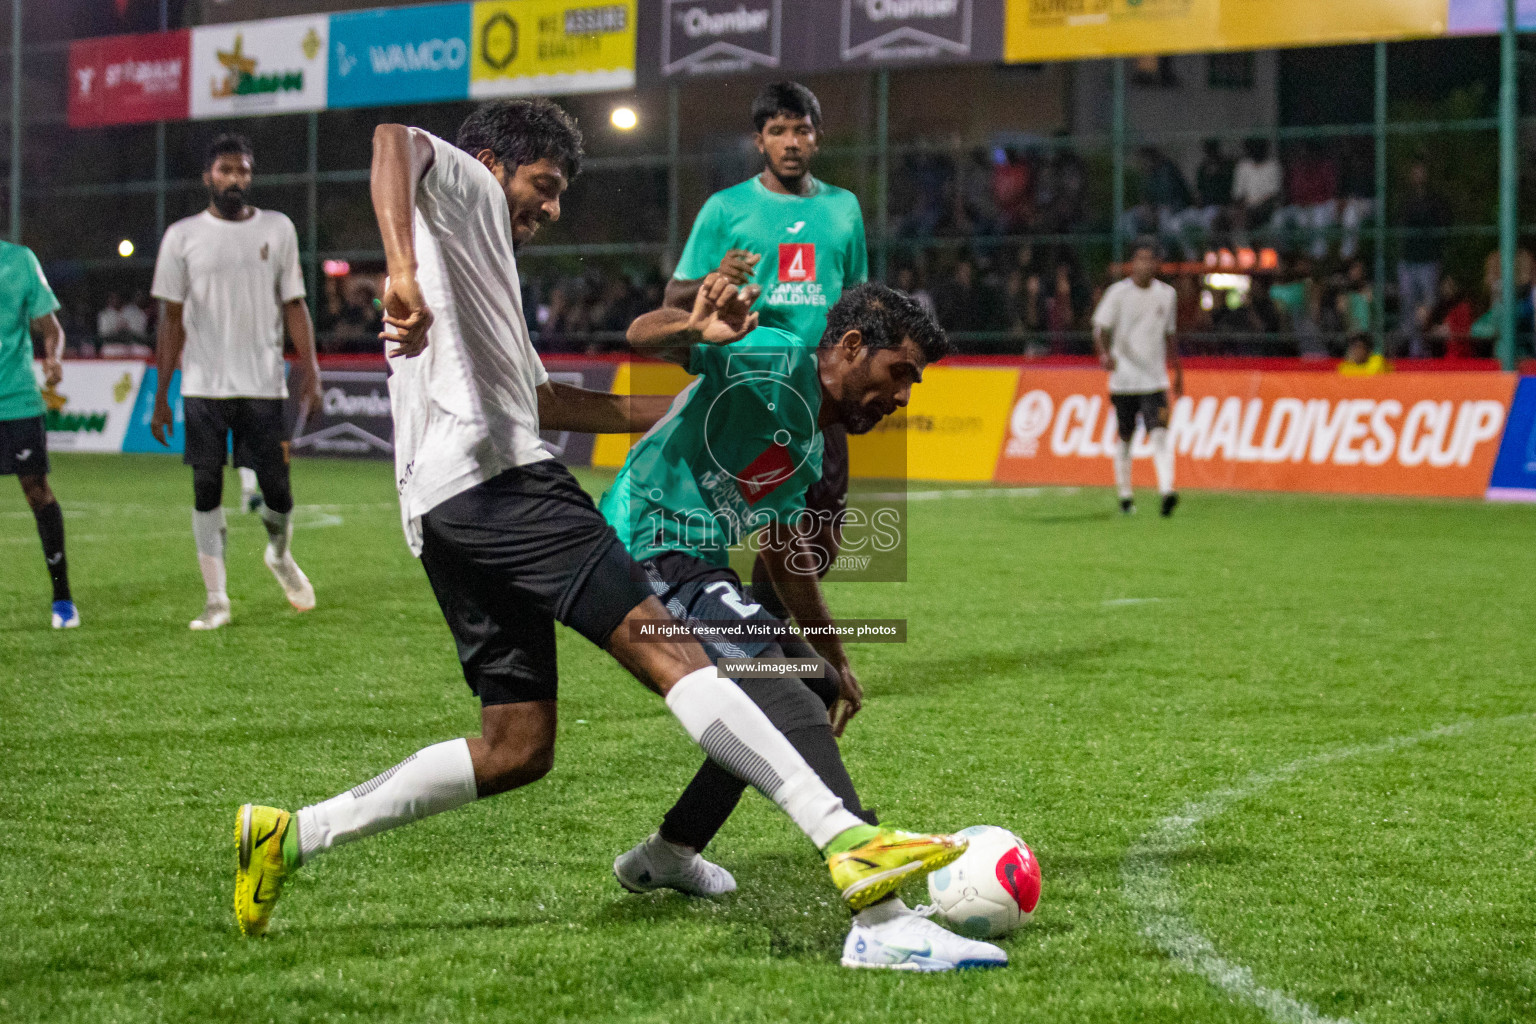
(733, 457)
(801, 241)
(27, 304)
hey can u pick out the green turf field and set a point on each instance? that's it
(1273, 754)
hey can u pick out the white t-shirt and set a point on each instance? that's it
(1139, 321)
(232, 278)
(467, 408)
(1254, 184)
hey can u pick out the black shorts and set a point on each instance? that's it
(261, 441)
(691, 588)
(23, 447)
(830, 493)
(512, 556)
(1152, 407)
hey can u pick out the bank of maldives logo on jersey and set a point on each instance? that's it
(399, 56)
(797, 262)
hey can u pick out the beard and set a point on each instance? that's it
(229, 202)
(856, 417)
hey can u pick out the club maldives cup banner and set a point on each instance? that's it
(259, 67)
(532, 47)
(129, 79)
(1397, 433)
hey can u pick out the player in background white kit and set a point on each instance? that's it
(229, 281)
(1133, 334)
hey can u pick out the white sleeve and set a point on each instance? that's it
(170, 282)
(1109, 307)
(290, 279)
(456, 182)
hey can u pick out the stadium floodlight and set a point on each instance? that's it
(125, 248)
(624, 118)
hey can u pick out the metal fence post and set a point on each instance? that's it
(15, 225)
(1509, 182)
(882, 172)
(1379, 305)
(674, 178)
(312, 214)
(1117, 157)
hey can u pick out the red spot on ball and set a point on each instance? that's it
(1019, 873)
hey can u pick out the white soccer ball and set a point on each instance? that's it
(992, 889)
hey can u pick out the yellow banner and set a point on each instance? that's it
(1067, 29)
(528, 47)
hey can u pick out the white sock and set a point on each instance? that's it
(432, 780)
(208, 530)
(247, 480)
(1162, 459)
(1123, 469)
(735, 732)
(279, 529)
(880, 913)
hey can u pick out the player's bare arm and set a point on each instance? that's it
(1176, 365)
(301, 330)
(1101, 348)
(791, 559)
(399, 160)
(567, 407)
(736, 266)
(52, 333)
(721, 315)
(170, 339)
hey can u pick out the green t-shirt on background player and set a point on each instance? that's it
(24, 296)
(812, 247)
(690, 485)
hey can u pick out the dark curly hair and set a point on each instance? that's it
(226, 144)
(523, 132)
(790, 98)
(885, 316)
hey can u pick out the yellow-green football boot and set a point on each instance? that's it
(260, 870)
(875, 864)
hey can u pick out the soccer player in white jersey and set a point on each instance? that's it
(510, 542)
(228, 280)
(1133, 333)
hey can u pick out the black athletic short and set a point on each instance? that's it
(830, 493)
(23, 447)
(261, 441)
(512, 556)
(691, 588)
(1151, 406)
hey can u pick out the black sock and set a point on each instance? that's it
(50, 528)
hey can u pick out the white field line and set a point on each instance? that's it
(1148, 882)
(960, 492)
(1120, 602)
(306, 517)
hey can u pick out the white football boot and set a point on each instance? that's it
(892, 937)
(215, 615)
(658, 864)
(295, 584)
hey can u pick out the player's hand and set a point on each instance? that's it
(161, 423)
(53, 370)
(312, 396)
(850, 699)
(738, 265)
(722, 313)
(406, 317)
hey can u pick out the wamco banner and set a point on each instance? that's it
(410, 55)
(707, 37)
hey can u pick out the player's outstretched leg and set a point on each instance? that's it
(50, 530)
(277, 517)
(209, 532)
(867, 862)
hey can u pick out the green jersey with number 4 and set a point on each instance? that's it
(812, 248)
(736, 451)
